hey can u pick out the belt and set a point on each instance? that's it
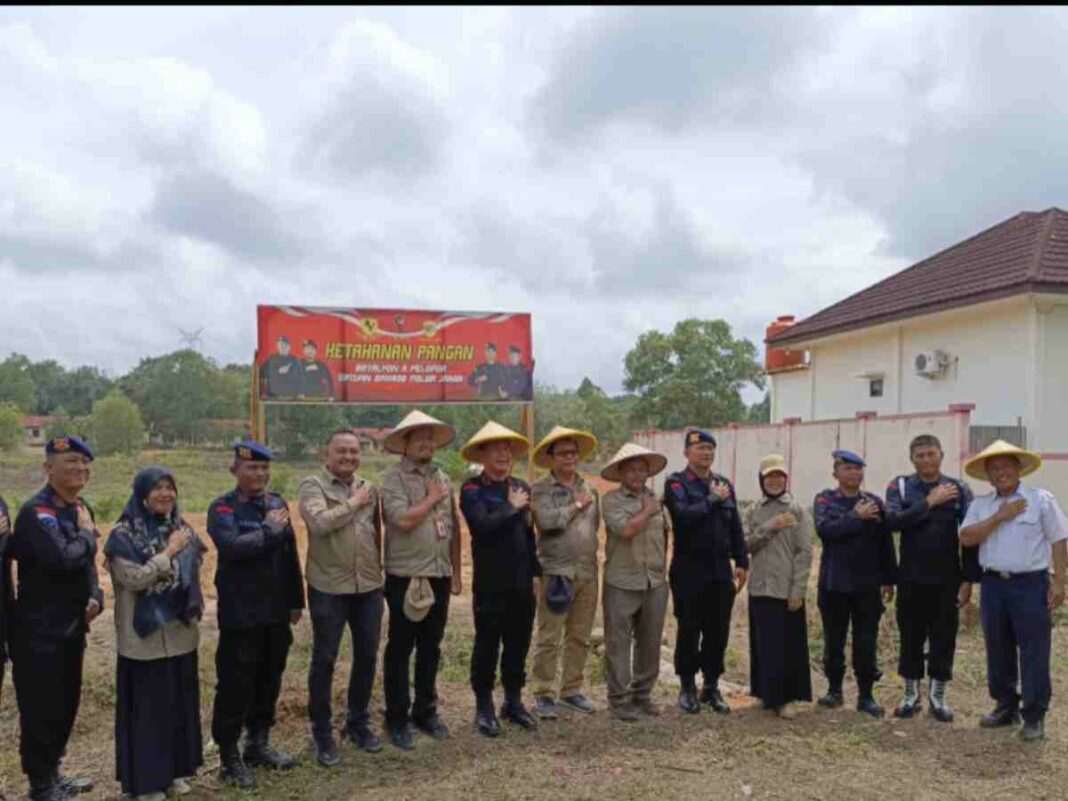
(1005, 574)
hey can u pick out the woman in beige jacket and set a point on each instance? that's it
(778, 536)
(154, 560)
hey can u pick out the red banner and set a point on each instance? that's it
(393, 356)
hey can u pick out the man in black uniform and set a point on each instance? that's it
(280, 374)
(858, 558)
(935, 573)
(54, 543)
(261, 593)
(497, 509)
(708, 534)
(5, 591)
(488, 377)
(315, 378)
(517, 384)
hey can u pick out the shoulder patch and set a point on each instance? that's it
(677, 488)
(223, 509)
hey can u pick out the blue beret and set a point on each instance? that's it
(69, 445)
(849, 457)
(252, 451)
(697, 435)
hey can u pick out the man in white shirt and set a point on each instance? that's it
(1020, 530)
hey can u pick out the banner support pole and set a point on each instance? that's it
(526, 424)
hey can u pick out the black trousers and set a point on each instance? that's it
(330, 614)
(704, 626)
(862, 610)
(249, 664)
(48, 687)
(504, 624)
(424, 638)
(927, 614)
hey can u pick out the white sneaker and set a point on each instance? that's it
(152, 797)
(181, 787)
(787, 711)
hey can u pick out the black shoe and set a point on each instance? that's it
(711, 697)
(1001, 716)
(401, 736)
(259, 753)
(1035, 730)
(233, 770)
(545, 707)
(688, 702)
(46, 789)
(485, 719)
(514, 711)
(833, 699)
(943, 714)
(907, 708)
(868, 706)
(364, 738)
(326, 749)
(578, 702)
(73, 785)
(434, 727)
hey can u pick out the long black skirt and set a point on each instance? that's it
(778, 653)
(157, 723)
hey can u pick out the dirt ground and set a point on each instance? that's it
(748, 754)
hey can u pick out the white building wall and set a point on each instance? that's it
(1051, 427)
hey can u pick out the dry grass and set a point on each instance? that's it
(822, 754)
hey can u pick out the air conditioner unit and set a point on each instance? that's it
(931, 363)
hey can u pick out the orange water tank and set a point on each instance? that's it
(779, 359)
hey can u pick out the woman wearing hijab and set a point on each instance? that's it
(778, 536)
(154, 560)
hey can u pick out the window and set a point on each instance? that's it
(875, 388)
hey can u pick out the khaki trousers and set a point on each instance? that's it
(633, 627)
(573, 629)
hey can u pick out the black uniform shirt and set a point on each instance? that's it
(503, 545)
(708, 530)
(57, 569)
(257, 578)
(857, 554)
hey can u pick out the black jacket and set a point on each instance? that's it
(6, 590)
(503, 545)
(257, 578)
(857, 554)
(930, 549)
(708, 531)
(57, 569)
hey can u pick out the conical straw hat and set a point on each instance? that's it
(656, 461)
(587, 444)
(443, 432)
(494, 432)
(976, 466)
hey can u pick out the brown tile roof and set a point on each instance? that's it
(1026, 253)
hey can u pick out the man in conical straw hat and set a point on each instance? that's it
(504, 551)
(567, 514)
(1019, 530)
(422, 556)
(635, 581)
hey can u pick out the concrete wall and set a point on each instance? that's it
(1001, 353)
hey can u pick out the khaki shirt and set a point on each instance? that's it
(638, 563)
(129, 580)
(344, 541)
(421, 551)
(567, 540)
(781, 561)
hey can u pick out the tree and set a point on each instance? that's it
(16, 384)
(115, 426)
(11, 433)
(175, 394)
(62, 425)
(760, 412)
(691, 376)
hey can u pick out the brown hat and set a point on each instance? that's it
(443, 432)
(587, 444)
(976, 466)
(631, 450)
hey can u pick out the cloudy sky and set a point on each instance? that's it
(607, 170)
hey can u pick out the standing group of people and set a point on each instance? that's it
(536, 581)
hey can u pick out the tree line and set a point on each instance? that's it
(691, 375)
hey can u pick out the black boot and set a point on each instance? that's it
(710, 696)
(512, 709)
(326, 749)
(232, 768)
(866, 702)
(833, 699)
(44, 788)
(485, 717)
(72, 785)
(688, 697)
(1007, 714)
(260, 753)
(1033, 729)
